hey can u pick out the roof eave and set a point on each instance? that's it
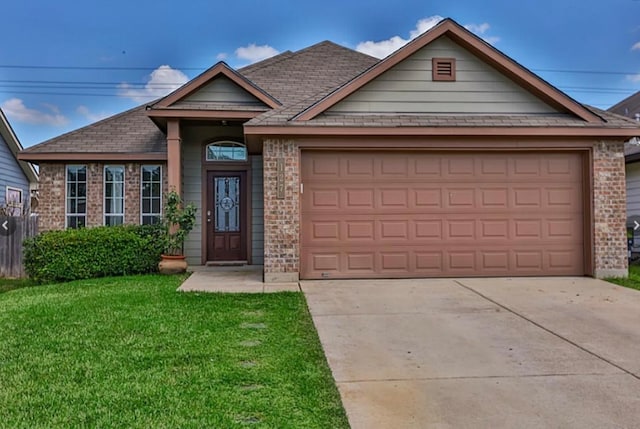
(470, 131)
(91, 156)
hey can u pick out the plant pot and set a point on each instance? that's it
(172, 264)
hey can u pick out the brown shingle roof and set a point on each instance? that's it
(288, 77)
(297, 80)
(128, 132)
(305, 73)
(629, 107)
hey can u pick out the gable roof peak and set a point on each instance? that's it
(11, 140)
(476, 46)
(219, 69)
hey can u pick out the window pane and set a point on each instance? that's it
(146, 206)
(113, 220)
(71, 206)
(155, 205)
(81, 205)
(72, 222)
(108, 205)
(146, 174)
(155, 190)
(118, 190)
(82, 174)
(156, 174)
(118, 205)
(146, 190)
(71, 174)
(226, 151)
(82, 190)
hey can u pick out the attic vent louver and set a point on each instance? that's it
(443, 69)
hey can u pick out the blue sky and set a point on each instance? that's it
(65, 64)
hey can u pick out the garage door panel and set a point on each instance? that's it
(495, 230)
(441, 214)
(496, 168)
(360, 263)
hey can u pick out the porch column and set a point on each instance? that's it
(174, 161)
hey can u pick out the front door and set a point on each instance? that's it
(226, 216)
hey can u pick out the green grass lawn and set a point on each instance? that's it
(633, 281)
(132, 352)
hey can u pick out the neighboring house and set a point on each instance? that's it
(18, 179)
(630, 107)
(447, 158)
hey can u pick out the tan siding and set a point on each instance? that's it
(192, 192)
(408, 88)
(223, 90)
(257, 211)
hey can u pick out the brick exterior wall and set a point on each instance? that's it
(281, 216)
(53, 193)
(609, 210)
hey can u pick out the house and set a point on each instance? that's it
(447, 158)
(630, 107)
(18, 179)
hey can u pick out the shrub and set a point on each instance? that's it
(60, 256)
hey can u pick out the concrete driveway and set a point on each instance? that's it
(482, 353)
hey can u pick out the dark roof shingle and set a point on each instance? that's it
(127, 132)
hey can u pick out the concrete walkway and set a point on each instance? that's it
(482, 353)
(240, 279)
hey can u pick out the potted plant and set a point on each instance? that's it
(177, 223)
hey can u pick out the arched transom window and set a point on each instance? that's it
(226, 151)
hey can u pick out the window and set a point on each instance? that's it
(76, 216)
(443, 69)
(113, 195)
(13, 201)
(151, 194)
(226, 151)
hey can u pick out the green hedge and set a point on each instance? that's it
(73, 254)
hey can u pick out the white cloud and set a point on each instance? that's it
(634, 78)
(162, 81)
(254, 53)
(385, 47)
(93, 117)
(16, 110)
(636, 47)
(425, 24)
(221, 56)
(480, 30)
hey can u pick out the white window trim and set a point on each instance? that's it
(20, 204)
(66, 197)
(104, 193)
(141, 187)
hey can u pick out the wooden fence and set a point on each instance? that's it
(11, 265)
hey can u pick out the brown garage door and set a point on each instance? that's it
(426, 214)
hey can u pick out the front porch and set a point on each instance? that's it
(232, 279)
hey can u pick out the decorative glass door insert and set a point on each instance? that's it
(227, 204)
